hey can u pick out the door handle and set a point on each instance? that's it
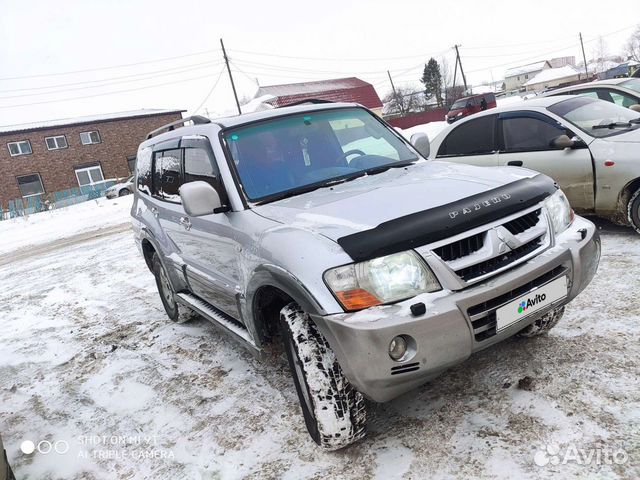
(185, 222)
(154, 211)
(515, 163)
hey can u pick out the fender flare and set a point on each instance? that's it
(274, 276)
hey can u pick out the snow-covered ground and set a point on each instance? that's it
(44, 227)
(90, 363)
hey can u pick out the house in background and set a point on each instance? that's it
(516, 77)
(624, 69)
(350, 89)
(553, 77)
(41, 158)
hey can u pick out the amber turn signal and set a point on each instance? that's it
(357, 299)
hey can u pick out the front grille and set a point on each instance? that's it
(523, 223)
(493, 264)
(460, 248)
(484, 326)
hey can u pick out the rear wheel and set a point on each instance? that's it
(334, 412)
(543, 324)
(633, 211)
(175, 311)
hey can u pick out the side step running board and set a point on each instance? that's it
(220, 319)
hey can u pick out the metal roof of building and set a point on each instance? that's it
(349, 90)
(524, 69)
(105, 117)
(553, 74)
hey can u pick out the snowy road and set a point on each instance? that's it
(90, 363)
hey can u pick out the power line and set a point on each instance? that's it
(332, 59)
(210, 63)
(210, 91)
(105, 93)
(148, 77)
(145, 62)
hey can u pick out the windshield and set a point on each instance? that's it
(632, 84)
(460, 104)
(587, 113)
(288, 155)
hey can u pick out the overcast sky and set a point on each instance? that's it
(132, 54)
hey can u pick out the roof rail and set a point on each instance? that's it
(307, 100)
(196, 119)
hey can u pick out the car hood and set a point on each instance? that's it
(632, 136)
(366, 202)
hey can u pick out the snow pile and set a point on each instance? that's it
(44, 227)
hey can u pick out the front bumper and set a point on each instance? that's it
(444, 334)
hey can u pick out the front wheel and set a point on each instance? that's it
(123, 192)
(334, 412)
(543, 324)
(633, 211)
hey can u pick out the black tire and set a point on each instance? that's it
(334, 412)
(175, 311)
(542, 325)
(633, 211)
(123, 192)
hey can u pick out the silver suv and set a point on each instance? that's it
(321, 225)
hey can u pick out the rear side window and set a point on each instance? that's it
(200, 166)
(167, 175)
(526, 134)
(143, 170)
(475, 137)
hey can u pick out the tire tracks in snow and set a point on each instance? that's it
(34, 250)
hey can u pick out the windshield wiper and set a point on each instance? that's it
(613, 125)
(635, 120)
(310, 188)
(384, 168)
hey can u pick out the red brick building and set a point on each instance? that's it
(42, 158)
(350, 89)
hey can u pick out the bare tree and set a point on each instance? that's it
(633, 45)
(405, 100)
(599, 54)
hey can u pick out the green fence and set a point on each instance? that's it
(41, 203)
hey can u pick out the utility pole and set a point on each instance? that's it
(464, 79)
(233, 85)
(395, 95)
(584, 58)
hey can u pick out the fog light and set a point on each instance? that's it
(397, 348)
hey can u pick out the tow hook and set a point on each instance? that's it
(583, 233)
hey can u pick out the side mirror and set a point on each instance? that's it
(561, 142)
(421, 143)
(199, 198)
(635, 107)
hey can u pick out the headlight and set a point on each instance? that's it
(559, 211)
(381, 280)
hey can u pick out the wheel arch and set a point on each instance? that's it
(270, 289)
(625, 195)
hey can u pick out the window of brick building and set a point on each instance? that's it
(56, 143)
(88, 176)
(89, 138)
(30, 185)
(22, 147)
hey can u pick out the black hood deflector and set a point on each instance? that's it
(427, 226)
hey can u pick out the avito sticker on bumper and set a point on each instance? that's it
(531, 303)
